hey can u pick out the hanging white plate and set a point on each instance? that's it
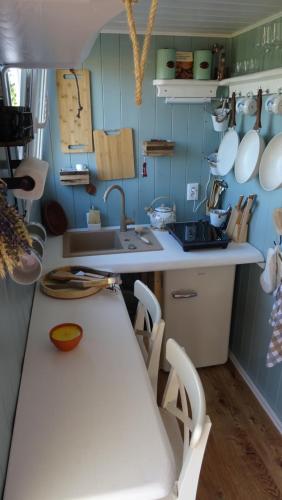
(227, 152)
(248, 158)
(270, 169)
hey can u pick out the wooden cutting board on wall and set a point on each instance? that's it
(114, 154)
(76, 133)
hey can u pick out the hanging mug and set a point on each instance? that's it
(30, 268)
(36, 230)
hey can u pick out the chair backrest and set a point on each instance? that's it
(149, 328)
(184, 381)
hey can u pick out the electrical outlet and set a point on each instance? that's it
(192, 191)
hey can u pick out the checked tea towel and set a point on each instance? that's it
(274, 354)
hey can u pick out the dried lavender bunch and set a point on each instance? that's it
(14, 237)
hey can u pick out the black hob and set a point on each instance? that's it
(196, 235)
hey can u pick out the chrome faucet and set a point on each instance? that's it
(124, 220)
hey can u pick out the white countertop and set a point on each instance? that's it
(172, 257)
(87, 425)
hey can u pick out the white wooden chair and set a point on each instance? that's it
(148, 315)
(184, 380)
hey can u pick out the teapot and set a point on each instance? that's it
(162, 215)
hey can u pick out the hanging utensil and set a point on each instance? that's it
(250, 149)
(277, 219)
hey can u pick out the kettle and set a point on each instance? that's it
(162, 215)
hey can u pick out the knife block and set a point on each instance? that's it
(240, 233)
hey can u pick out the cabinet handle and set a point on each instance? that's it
(184, 294)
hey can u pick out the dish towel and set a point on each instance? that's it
(274, 354)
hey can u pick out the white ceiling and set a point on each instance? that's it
(51, 33)
(180, 17)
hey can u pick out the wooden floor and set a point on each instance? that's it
(243, 459)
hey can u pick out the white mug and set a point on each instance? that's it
(218, 217)
(36, 229)
(30, 268)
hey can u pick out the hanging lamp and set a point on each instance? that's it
(140, 62)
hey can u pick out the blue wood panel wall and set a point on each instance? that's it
(251, 331)
(112, 88)
(15, 307)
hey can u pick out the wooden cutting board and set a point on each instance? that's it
(76, 133)
(58, 289)
(114, 154)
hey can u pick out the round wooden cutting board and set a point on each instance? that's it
(60, 289)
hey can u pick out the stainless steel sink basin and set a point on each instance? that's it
(79, 243)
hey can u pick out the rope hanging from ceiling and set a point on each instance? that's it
(140, 62)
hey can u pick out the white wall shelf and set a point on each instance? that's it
(269, 81)
(196, 89)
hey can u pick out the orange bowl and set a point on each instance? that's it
(66, 336)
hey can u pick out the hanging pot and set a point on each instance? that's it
(250, 149)
(228, 148)
(270, 169)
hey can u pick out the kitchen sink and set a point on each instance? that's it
(79, 243)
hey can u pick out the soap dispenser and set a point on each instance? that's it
(93, 219)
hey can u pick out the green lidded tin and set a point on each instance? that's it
(166, 64)
(202, 64)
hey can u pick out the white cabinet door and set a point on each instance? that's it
(197, 311)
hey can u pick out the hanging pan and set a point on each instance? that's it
(229, 145)
(270, 169)
(250, 149)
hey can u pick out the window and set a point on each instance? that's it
(27, 87)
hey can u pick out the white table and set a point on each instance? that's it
(87, 426)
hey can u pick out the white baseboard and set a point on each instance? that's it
(267, 408)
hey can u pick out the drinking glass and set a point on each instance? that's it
(266, 37)
(276, 33)
(258, 37)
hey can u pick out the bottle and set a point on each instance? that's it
(93, 218)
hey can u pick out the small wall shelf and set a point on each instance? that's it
(203, 90)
